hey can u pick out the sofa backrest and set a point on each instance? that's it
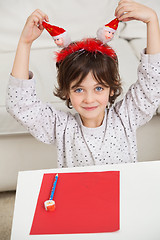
(80, 18)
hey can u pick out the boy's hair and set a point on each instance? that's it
(78, 64)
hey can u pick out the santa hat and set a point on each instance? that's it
(54, 31)
(57, 32)
(112, 26)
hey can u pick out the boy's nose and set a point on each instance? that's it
(89, 98)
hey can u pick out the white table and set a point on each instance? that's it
(139, 203)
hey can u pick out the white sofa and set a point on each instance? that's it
(18, 149)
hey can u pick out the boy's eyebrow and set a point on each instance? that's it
(78, 85)
(75, 86)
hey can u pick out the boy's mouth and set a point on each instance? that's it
(90, 108)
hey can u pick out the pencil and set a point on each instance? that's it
(50, 204)
(54, 187)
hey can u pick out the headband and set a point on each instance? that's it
(90, 45)
(62, 39)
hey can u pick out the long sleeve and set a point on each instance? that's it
(143, 97)
(40, 119)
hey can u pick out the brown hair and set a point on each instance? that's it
(77, 66)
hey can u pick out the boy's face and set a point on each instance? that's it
(90, 99)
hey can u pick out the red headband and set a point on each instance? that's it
(90, 44)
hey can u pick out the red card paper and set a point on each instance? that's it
(86, 202)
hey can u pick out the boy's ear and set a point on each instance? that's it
(111, 93)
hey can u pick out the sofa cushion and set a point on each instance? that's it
(138, 44)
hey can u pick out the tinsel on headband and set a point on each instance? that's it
(90, 45)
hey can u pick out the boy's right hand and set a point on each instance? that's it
(33, 27)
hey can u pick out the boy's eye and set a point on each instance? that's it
(98, 89)
(79, 90)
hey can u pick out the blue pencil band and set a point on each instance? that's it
(54, 187)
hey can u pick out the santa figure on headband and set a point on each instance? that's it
(106, 33)
(60, 36)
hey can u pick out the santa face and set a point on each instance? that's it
(59, 42)
(108, 35)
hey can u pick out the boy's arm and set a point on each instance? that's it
(20, 68)
(153, 35)
(128, 10)
(32, 30)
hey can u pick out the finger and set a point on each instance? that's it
(123, 10)
(35, 20)
(41, 15)
(120, 6)
(44, 15)
(41, 27)
(38, 23)
(126, 17)
(124, 1)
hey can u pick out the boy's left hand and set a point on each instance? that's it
(129, 10)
